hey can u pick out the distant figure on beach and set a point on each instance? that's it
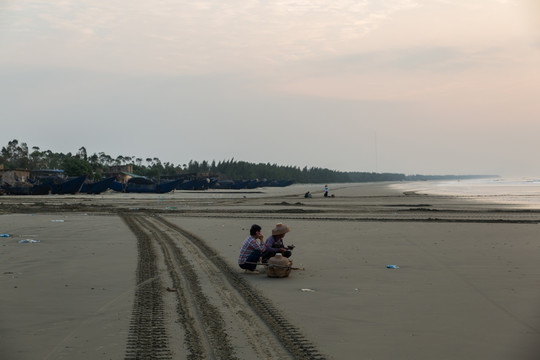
(251, 250)
(274, 244)
(325, 190)
(307, 195)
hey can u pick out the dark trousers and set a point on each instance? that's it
(252, 260)
(268, 254)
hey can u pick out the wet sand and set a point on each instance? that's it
(467, 287)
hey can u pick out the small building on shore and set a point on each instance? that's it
(13, 177)
(118, 171)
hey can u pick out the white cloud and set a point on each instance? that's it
(199, 35)
(207, 74)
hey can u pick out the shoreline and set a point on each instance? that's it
(466, 287)
(508, 192)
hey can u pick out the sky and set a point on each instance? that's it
(404, 86)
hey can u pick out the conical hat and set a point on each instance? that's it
(280, 229)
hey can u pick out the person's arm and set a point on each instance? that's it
(270, 245)
(257, 243)
(260, 244)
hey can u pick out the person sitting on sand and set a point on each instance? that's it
(251, 250)
(307, 195)
(274, 244)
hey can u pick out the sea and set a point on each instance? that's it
(519, 193)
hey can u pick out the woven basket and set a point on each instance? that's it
(278, 266)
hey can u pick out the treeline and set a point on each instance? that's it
(19, 156)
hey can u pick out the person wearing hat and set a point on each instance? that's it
(274, 244)
(251, 250)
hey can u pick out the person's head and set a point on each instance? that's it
(280, 230)
(254, 229)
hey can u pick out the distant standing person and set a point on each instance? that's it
(251, 250)
(325, 190)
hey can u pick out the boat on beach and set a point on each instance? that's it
(70, 186)
(144, 185)
(45, 186)
(97, 187)
(18, 189)
(168, 186)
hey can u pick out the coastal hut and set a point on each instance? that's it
(13, 177)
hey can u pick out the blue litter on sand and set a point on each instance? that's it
(392, 267)
(4, 235)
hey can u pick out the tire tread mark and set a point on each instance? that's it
(205, 313)
(288, 335)
(147, 338)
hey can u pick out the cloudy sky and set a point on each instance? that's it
(410, 86)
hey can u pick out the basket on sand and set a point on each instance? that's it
(278, 266)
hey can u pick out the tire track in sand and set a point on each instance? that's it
(253, 302)
(219, 314)
(147, 338)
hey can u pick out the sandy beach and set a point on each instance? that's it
(133, 276)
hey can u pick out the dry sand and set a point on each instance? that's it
(468, 286)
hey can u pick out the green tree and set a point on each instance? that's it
(82, 153)
(74, 166)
